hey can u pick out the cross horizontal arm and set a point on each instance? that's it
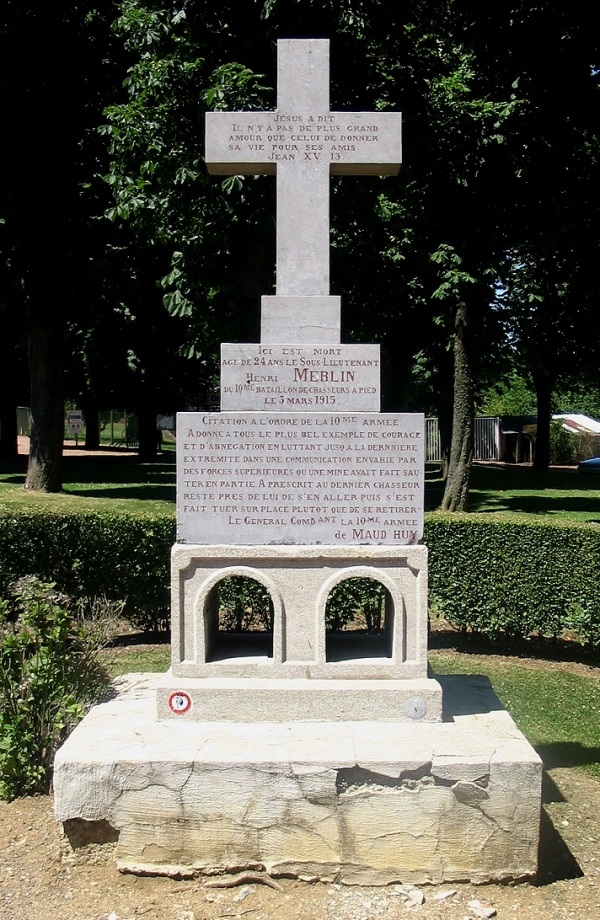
(351, 143)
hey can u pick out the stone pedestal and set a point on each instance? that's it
(299, 580)
(369, 802)
(299, 670)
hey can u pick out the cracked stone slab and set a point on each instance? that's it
(361, 802)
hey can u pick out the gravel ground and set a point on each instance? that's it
(41, 878)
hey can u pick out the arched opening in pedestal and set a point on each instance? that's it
(239, 620)
(359, 621)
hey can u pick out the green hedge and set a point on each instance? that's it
(491, 576)
(515, 579)
(89, 554)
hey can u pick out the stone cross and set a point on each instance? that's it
(302, 142)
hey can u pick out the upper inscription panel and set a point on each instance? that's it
(300, 377)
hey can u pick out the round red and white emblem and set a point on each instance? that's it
(180, 702)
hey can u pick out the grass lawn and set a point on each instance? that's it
(557, 709)
(113, 481)
(517, 491)
(121, 481)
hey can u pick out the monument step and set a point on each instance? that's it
(251, 699)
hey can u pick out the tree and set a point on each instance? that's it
(13, 375)
(482, 144)
(46, 236)
(159, 183)
(548, 287)
(461, 450)
(216, 238)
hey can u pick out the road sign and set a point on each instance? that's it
(75, 421)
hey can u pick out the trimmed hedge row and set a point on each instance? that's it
(94, 554)
(515, 579)
(495, 577)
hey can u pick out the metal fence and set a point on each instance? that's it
(486, 440)
(433, 446)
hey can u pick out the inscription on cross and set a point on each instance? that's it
(302, 142)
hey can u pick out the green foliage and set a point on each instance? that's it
(583, 398)
(356, 601)
(452, 277)
(182, 65)
(510, 396)
(498, 576)
(244, 604)
(515, 580)
(120, 556)
(514, 395)
(566, 448)
(49, 676)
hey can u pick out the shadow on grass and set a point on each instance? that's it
(514, 477)
(150, 638)
(567, 754)
(16, 479)
(492, 487)
(115, 468)
(110, 476)
(93, 468)
(543, 649)
(142, 492)
(151, 481)
(491, 502)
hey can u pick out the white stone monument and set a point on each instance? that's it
(304, 751)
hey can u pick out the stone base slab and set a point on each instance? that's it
(356, 802)
(298, 700)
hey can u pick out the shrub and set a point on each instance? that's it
(49, 676)
(94, 554)
(515, 579)
(566, 447)
(244, 604)
(356, 601)
(500, 578)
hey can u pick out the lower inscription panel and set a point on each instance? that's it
(304, 478)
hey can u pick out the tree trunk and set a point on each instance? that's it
(9, 445)
(92, 423)
(544, 386)
(444, 403)
(13, 377)
(147, 432)
(44, 470)
(445, 430)
(461, 450)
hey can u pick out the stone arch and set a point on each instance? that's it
(388, 643)
(214, 644)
